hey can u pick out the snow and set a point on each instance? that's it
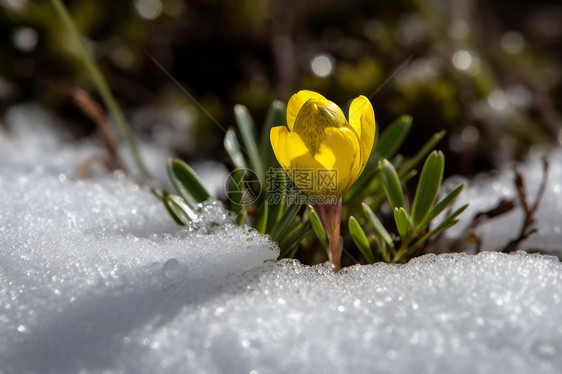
(95, 277)
(485, 192)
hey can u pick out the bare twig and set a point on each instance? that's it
(93, 110)
(504, 206)
(527, 228)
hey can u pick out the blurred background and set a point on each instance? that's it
(488, 72)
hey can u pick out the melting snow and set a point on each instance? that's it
(95, 277)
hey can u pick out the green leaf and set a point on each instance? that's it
(317, 227)
(447, 222)
(360, 239)
(292, 240)
(442, 205)
(451, 217)
(427, 147)
(236, 197)
(277, 180)
(397, 161)
(428, 186)
(179, 202)
(378, 226)
(276, 116)
(247, 131)
(402, 222)
(392, 186)
(232, 146)
(180, 214)
(443, 226)
(407, 177)
(378, 248)
(187, 183)
(275, 176)
(241, 217)
(392, 138)
(261, 223)
(87, 59)
(283, 223)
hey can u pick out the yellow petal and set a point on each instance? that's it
(341, 152)
(362, 119)
(287, 146)
(295, 158)
(296, 102)
(317, 119)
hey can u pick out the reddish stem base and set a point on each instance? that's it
(330, 216)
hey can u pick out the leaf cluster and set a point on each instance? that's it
(383, 180)
(254, 169)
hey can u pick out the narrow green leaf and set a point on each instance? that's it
(293, 252)
(418, 157)
(276, 194)
(379, 248)
(178, 214)
(236, 197)
(402, 222)
(442, 205)
(447, 222)
(456, 213)
(392, 138)
(375, 190)
(392, 186)
(360, 239)
(405, 178)
(232, 146)
(397, 161)
(99, 81)
(187, 183)
(292, 240)
(180, 203)
(283, 223)
(443, 226)
(241, 217)
(276, 116)
(378, 226)
(428, 186)
(317, 227)
(247, 131)
(261, 223)
(275, 176)
(157, 192)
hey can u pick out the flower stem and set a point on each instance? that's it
(330, 216)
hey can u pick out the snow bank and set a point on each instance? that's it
(95, 277)
(486, 191)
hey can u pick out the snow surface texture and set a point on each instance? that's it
(485, 192)
(94, 277)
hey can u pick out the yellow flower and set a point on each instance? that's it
(320, 137)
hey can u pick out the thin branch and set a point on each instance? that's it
(527, 228)
(93, 110)
(503, 207)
